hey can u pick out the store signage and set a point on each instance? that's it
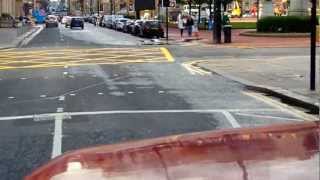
(144, 5)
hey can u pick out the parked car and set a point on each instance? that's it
(136, 30)
(120, 23)
(127, 28)
(104, 20)
(108, 22)
(52, 21)
(86, 18)
(68, 21)
(64, 19)
(77, 22)
(92, 19)
(151, 28)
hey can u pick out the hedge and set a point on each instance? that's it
(244, 25)
(285, 24)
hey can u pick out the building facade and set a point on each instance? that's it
(13, 7)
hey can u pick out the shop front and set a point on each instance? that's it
(249, 8)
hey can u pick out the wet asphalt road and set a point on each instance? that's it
(118, 102)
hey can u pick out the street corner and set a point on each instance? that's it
(306, 100)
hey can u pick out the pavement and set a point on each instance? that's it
(239, 40)
(69, 89)
(285, 77)
(13, 37)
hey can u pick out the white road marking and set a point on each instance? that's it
(193, 70)
(11, 97)
(43, 96)
(282, 107)
(57, 137)
(59, 110)
(62, 98)
(161, 92)
(100, 94)
(68, 114)
(32, 36)
(72, 94)
(130, 92)
(268, 117)
(234, 123)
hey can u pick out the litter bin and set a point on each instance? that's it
(227, 33)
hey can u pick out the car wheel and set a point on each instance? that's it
(82, 27)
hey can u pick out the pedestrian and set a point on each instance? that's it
(189, 25)
(195, 30)
(225, 19)
(181, 25)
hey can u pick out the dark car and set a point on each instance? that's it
(86, 18)
(77, 22)
(101, 21)
(137, 27)
(151, 29)
(127, 26)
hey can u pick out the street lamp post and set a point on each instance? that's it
(98, 7)
(313, 46)
(69, 7)
(91, 10)
(217, 22)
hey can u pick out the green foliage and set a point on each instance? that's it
(284, 24)
(243, 25)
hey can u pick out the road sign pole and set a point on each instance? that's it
(217, 22)
(313, 46)
(167, 24)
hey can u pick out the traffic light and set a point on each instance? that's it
(166, 3)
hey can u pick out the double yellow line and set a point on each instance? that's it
(167, 54)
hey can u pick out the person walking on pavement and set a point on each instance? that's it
(189, 25)
(195, 30)
(181, 25)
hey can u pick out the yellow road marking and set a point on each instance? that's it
(80, 57)
(167, 54)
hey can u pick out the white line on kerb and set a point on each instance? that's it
(234, 123)
(57, 137)
(268, 117)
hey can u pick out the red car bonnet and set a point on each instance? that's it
(287, 151)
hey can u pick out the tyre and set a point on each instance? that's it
(82, 27)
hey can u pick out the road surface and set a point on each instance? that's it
(70, 89)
